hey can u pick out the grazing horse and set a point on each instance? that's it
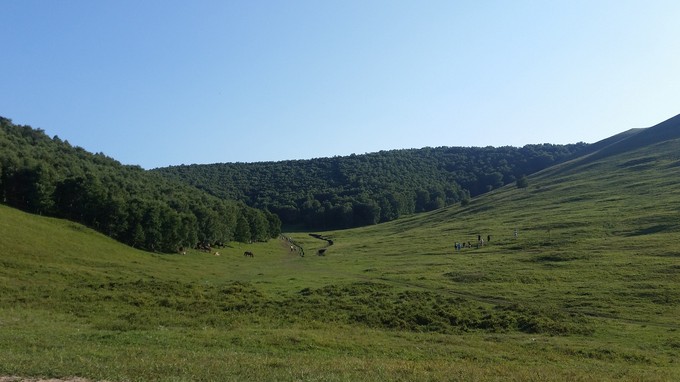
(248, 254)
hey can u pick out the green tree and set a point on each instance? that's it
(258, 225)
(170, 226)
(151, 221)
(367, 213)
(242, 233)
(523, 182)
(422, 200)
(274, 224)
(188, 230)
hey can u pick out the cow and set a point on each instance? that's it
(248, 254)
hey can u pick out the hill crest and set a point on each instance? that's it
(357, 190)
(627, 141)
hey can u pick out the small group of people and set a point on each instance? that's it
(480, 243)
(294, 246)
(460, 246)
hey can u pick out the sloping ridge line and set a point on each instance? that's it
(623, 142)
(664, 131)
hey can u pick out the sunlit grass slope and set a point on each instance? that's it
(589, 289)
(597, 245)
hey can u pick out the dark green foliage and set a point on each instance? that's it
(522, 182)
(48, 176)
(242, 229)
(358, 190)
(274, 224)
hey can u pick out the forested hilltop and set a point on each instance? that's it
(48, 176)
(357, 190)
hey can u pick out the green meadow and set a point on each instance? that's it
(588, 289)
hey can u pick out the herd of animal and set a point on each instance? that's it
(294, 247)
(206, 247)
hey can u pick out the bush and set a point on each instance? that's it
(522, 182)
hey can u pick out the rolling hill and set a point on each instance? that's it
(359, 190)
(580, 280)
(48, 176)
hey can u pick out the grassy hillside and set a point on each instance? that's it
(588, 290)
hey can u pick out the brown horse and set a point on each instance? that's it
(248, 254)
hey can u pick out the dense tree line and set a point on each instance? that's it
(48, 176)
(359, 190)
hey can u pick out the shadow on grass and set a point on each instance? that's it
(659, 228)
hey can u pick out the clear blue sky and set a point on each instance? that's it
(159, 83)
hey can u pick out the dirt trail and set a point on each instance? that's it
(328, 241)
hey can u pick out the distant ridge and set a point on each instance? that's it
(627, 141)
(664, 131)
(599, 145)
